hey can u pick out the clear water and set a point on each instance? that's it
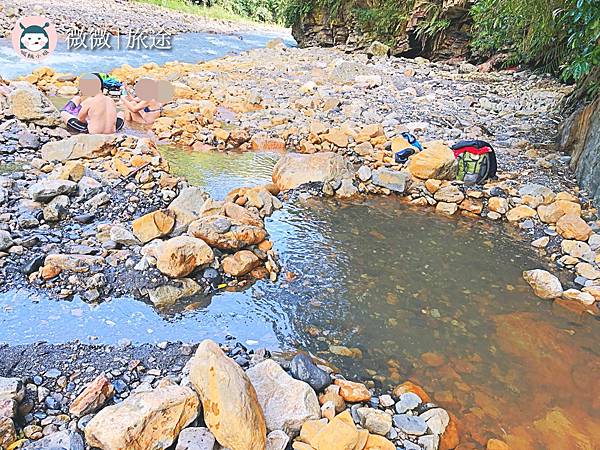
(186, 47)
(394, 282)
(218, 173)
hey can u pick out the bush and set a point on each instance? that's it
(558, 36)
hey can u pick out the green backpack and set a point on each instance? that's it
(476, 161)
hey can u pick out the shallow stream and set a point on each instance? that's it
(408, 293)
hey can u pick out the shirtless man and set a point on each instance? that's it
(97, 114)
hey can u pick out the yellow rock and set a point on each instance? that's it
(153, 225)
(435, 161)
(122, 168)
(498, 204)
(336, 137)
(399, 143)
(231, 409)
(519, 213)
(339, 434)
(554, 211)
(572, 226)
(376, 442)
(73, 170)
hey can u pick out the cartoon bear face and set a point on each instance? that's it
(34, 38)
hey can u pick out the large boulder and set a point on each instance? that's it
(287, 403)
(86, 146)
(295, 169)
(46, 190)
(555, 210)
(436, 161)
(571, 226)
(225, 233)
(179, 256)
(145, 420)
(231, 408)
(544, 284)
(187, 207)
(27, 103)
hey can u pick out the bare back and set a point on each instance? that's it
(100, 113)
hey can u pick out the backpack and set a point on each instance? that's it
(401, 157)
(476, 161)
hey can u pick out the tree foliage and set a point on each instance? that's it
(560, 36)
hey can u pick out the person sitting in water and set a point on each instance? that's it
(147, 104)
(96, 114)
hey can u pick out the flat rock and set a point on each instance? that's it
(294, 169)
(145, 420)
(81, 146)
(46, 190)
(394, 180)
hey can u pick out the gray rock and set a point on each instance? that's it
(437, 419)
(537, 190)
(11, 389)
(375, 420)
(195, 438)
(187, 208)
(364, 173)
(393, 180)
(57, 209)
(429, 442)
(407, 401)
(65, 440)
(277, 440)
(6, 240)
(304, 369)
(123, 236)
(27, 139)
(88, 186)
(46, 190)
(413, 425)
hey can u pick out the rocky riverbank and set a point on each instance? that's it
(119, 17)
(101, 216)
(343, 117)
(80, 397)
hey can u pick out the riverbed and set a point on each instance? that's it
(379, 289)
(382, 291)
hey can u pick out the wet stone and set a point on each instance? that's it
(408, 401)
(412, 425)
(303, 368)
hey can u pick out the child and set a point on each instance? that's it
(146, 106)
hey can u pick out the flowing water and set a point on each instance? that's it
(412, 295)
(185, 47)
